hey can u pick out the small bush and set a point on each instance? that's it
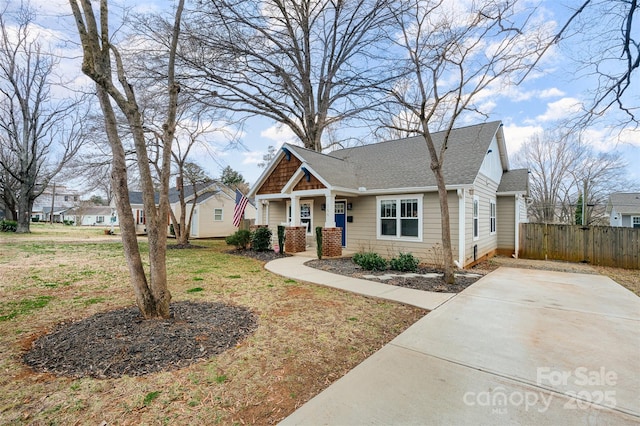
(68, 222)
(370, 261)
(281, 238)
(319, 241)
(35, 219)
(405, 262)
(261, 239)
(240, 239)
(8, 226)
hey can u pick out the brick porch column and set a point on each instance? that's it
(295, 239)
(331, 242)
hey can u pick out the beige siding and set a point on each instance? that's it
(506, 222)
(485, 189)
(362, 232)
(207, 227)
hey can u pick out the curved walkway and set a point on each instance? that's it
(519, 346)
(293, 267)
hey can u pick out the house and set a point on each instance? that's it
(92, 216)
(62, 199)
(383, 196)
(624, 209)
(212, 215)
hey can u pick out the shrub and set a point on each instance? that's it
(35, 219)
(68, 222)
(370, 261)
(8, 226)
(240, 239)
(281, 238)
(319, 241)
(405, 262)
(261, 239)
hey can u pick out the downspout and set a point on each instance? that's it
(517, 225)
(461, 228)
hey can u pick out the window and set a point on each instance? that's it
(492, 217)
(217, 215)
(476, 217)
(99, 219)
(635, 221)
(306, 215)
(400, 218)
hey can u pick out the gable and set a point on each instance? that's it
(313, 183)
(280, 175)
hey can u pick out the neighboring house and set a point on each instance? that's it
(212, 215)
(384, 197)
(92, 216)
(624, 209)
(62, 199)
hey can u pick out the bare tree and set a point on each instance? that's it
(550, 158)
(38, 134)
(199, 182)
(152, 296)
(603, 37)
(305, 64)
(452, 54)
(563, 168)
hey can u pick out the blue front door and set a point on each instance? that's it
(341, 219)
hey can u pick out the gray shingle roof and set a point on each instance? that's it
(135, 197)
(625, 202)
(515, 181)
(404, 163)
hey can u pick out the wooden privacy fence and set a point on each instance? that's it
(598, 245)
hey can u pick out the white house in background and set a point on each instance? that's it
(624, 209)
(212, 215)
(62, 199)
(92, 216)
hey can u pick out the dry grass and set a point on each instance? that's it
(308, 336)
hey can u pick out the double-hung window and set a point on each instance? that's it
(635, 221)
(400, 217)
(476, 217)
(306, 215)
(492, 216)
(217, 215)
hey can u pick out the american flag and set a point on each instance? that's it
(238, 211)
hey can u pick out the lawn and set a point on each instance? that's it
(307, 336)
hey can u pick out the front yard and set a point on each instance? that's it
(306, 337)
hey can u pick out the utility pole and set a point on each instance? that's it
(53, 200)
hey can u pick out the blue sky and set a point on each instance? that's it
(541, 101)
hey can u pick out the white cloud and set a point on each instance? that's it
(559, 109)
(515, 136)
(553, 92)
(280, 134)
(253, 157)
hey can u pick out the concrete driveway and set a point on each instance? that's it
(518, 347)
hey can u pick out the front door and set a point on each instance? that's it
(341, 219)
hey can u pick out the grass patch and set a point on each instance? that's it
(302, 344)
(11, 310)
(150, 397)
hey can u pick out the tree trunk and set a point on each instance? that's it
(24, 211)
(447, 252)
(144, 296)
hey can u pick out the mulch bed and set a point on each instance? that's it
(115, 343)
(345, 266)
(264, 256)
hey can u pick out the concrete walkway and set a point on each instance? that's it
(517, 347)
(293, 267)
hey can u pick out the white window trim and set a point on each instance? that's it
(300, 203)
(633, 218)
(493, 220)
(476, 199)
(100, 219)
(221, 214)
(397, 198)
